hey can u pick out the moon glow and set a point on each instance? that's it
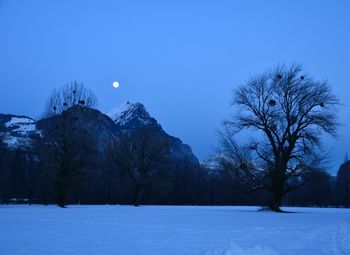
(116, 84)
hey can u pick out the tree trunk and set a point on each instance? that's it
(277, 187)
(45, 199)
(109, 191)
(275, 202)
(61, 196)
(30, 194)
(137, 196)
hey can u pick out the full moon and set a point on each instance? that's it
(116, 84)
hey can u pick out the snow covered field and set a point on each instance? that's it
(171, 230)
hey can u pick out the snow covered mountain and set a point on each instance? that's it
(132, 116)
(17, 131)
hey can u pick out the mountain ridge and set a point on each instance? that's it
(18, 131)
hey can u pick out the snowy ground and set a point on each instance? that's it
(171, 230)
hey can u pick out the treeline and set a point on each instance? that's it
(25, 179)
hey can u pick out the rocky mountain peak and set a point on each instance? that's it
(131, 115)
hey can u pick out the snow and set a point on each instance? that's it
(128, 111)
(172, 230)
(119, 109)
(22, 124)
(19, 135)
(14, 141)
(16, 120)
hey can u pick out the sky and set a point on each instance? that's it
(182, 59)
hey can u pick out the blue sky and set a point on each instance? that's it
(180, 58)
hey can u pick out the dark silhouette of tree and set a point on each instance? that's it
(17, 175)
(141, 155)
(5, 189)
(189, 182)
(70, 148)
(110, 170)
(31, 174)
(343, 185)
(288, 111)
(46, 169)
(318, 191)
(67, 146)
(70, 95)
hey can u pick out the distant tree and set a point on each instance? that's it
(343, 185)
(71, 94)
(17, 175)
(31, 173)
(188, 182)
(318, 191)
(110, 170)
(321, 188)
(46, 166)
(4, 190)
(289, 111)
(141, 155)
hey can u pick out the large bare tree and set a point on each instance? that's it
(289, 112)
(68, 144)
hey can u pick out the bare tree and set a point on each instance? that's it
(66, 144)
(141, 155)
(70, 148)
(289, 112)
(69, 95)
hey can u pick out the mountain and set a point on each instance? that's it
(95, 123)
(132, 116)
(19, 131)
